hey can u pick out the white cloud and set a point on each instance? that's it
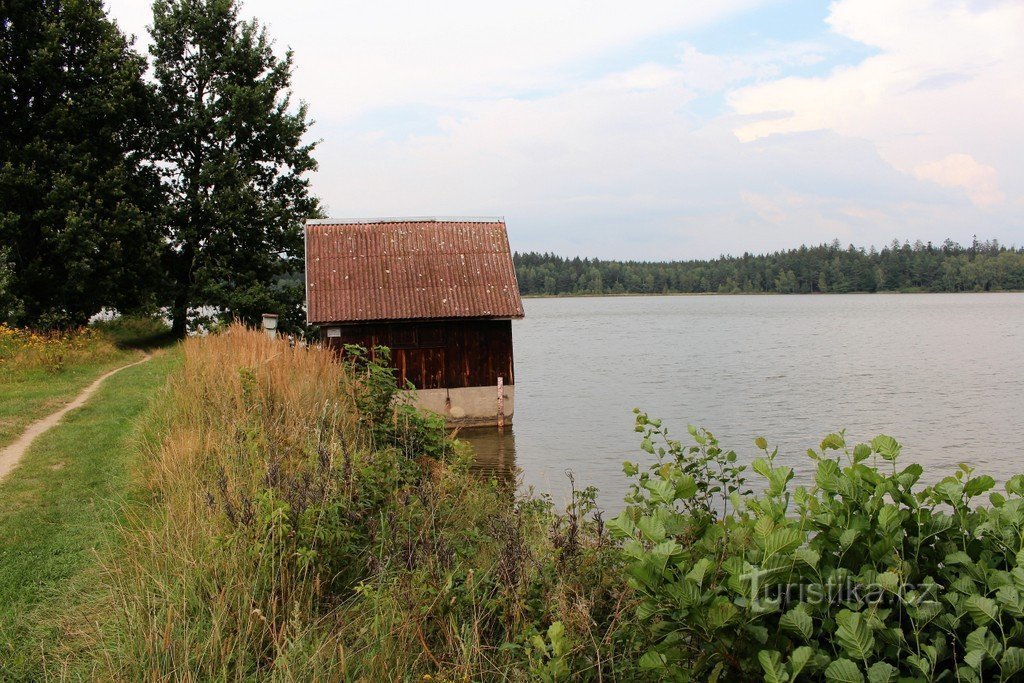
(599, 129)
(946, 80)
(961, 171)
(357, 56)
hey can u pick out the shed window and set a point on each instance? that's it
(431, 337)
(403, 337)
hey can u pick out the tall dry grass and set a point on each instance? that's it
(289, 537)
(198, 595)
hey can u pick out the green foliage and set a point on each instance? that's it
(949, 267)
(386, 410)
(230, 149)
(862, 576)
(11, 308)
(75, 192)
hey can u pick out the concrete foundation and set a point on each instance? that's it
(467, 406)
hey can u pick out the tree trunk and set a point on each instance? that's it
(182, 292)
(179, 314)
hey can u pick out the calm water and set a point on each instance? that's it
(944, 374)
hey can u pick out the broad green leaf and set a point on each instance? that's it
(652, 528)
(982, 610)
(978, 485)
(984, 641)
(808, 556)
(622, 526)
(847, 538)
(882, 672)
(958, 557)
(922, 664)
(843, 671)
(1010, 600)
(764, 526)
(888, 581)
(771, 663)
(799, 660)
(760, 633)
(761, 443)
(646, 609)
(886, 446)
(686, 488)
(975, 659)
(661, 491)
(555, 636)
(909, 476)
(1011, 662)
(700, 570)
(889, 518)
(652, 660)
(720, 613)
(782, 540)
(854, 636)
(833, 442)
(762, 466)
(797, 622)
(827, 477)
(951, 490)
(778, 478)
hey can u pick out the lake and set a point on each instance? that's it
(943, 373)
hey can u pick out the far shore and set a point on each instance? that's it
(624, 294)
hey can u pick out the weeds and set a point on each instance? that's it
(306, 525)
(53, 351)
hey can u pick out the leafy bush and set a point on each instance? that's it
(864, 574)
(133, 329)
(386, 410)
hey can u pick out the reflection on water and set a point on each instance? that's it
(494, 451)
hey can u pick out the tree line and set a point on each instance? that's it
(174, 181)
(920, 267)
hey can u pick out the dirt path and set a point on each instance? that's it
(11, 455)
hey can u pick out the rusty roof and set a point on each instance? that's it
(409, 269)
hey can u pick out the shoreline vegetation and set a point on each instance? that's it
(291, 518)
(582, 295)
(827, 268)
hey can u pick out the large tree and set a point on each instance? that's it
(231, 149)
(75, 188)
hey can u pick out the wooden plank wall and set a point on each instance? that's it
(435, 355)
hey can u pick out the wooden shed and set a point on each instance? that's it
(441, 293)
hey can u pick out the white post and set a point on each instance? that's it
(270, 324)
(501, 403)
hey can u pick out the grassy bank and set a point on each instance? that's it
(40, 372)
(301, 529)
(60, 507)
(295, 525)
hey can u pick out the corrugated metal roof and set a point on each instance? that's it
(394, 269)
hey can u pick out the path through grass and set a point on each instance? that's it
(31, 391)
(61, 505)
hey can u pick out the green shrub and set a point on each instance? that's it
(862, 576)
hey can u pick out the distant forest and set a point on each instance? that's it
(919, 267)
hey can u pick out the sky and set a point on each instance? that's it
(664, 129)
